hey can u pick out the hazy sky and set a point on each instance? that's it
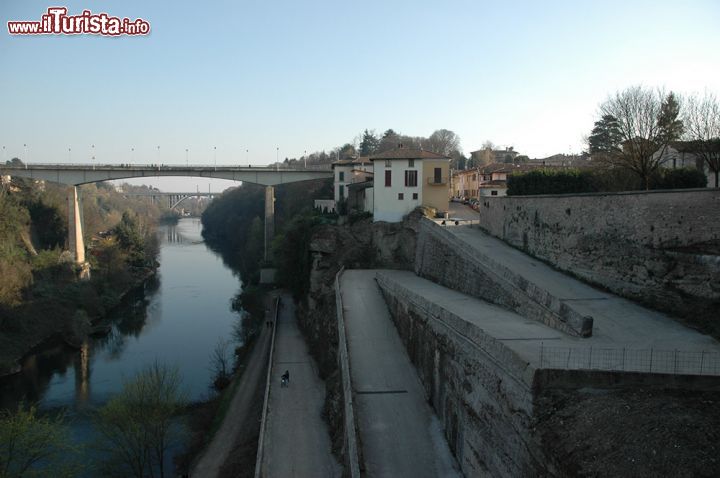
(307, 75)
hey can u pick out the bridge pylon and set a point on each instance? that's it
(76, 243)
(269, 221)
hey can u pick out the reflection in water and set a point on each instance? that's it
(177, 319)
(172, 235)
(82, 374)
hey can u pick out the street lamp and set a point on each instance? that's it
(132, 155)
(277, 158)
(25, 146)
(187, 161)
(70, 155)
(215, 156)
(305, 158)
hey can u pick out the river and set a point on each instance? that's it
(178, 320)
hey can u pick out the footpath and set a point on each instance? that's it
(399, 433)
(296, 440)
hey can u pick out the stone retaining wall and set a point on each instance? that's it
(659, 247)
(480, 390)
(445, 259)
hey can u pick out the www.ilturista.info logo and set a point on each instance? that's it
(57, 22)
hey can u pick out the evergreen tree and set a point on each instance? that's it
(670, 125)
(369, 143)
(605, 136)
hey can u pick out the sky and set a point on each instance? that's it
(246, 82)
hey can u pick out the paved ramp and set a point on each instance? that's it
(296, 441)
(399, 433)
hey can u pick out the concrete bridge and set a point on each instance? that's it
(173, 199)
(77, 174)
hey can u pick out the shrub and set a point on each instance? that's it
(550, 181)
(682, 178)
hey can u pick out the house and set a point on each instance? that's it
(408, 178)
(465, 183)
(506, 155)
(349, 171)
(490, 180)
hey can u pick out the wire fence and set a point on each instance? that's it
(679, 362)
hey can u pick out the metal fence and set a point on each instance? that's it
(631, 360)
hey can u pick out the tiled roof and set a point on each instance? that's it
(347, 162)
(405, 153)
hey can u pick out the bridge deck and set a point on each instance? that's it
(400, 435)
(76, 174)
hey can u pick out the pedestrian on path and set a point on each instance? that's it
(285, 379)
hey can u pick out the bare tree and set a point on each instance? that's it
(702, 124)
(221, 364)
(136, 424)
(443, 141)
(646, 123)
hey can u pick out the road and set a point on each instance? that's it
(399, 433)
(463, 211)
(297, 442)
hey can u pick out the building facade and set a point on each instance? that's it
(407, 178)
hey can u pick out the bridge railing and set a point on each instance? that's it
(163, 166)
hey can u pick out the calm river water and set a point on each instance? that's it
(178, 321)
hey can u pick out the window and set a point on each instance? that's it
(401, 196)
(473, 178)
(438, 175)
(341, 191)
(341, 176)
(415, 196)
(388, 163)
(411, 179)
(411, 163)
(493, 193)
(388, 178)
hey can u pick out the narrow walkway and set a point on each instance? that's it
(236, 417)
(399, 433)
(296, 441)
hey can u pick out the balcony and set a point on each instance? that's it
(437, 181)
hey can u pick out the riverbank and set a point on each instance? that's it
(58, 318)
(226, 428)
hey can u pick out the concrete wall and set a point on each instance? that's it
(443, 258)
(350, 451)
(661, 247)
(480, 390)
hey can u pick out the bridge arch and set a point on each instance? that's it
(75, 175)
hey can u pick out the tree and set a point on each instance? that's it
(390, 139)
(221, 364)
(369, 143)
(604, 140)
(136, 424)
(443, 141)
(646, 123)
(346, 151)
(34, 446)
(702, 121)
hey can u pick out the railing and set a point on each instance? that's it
(437, 181)
(350, 440)
(631, 360)
(266, 402)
